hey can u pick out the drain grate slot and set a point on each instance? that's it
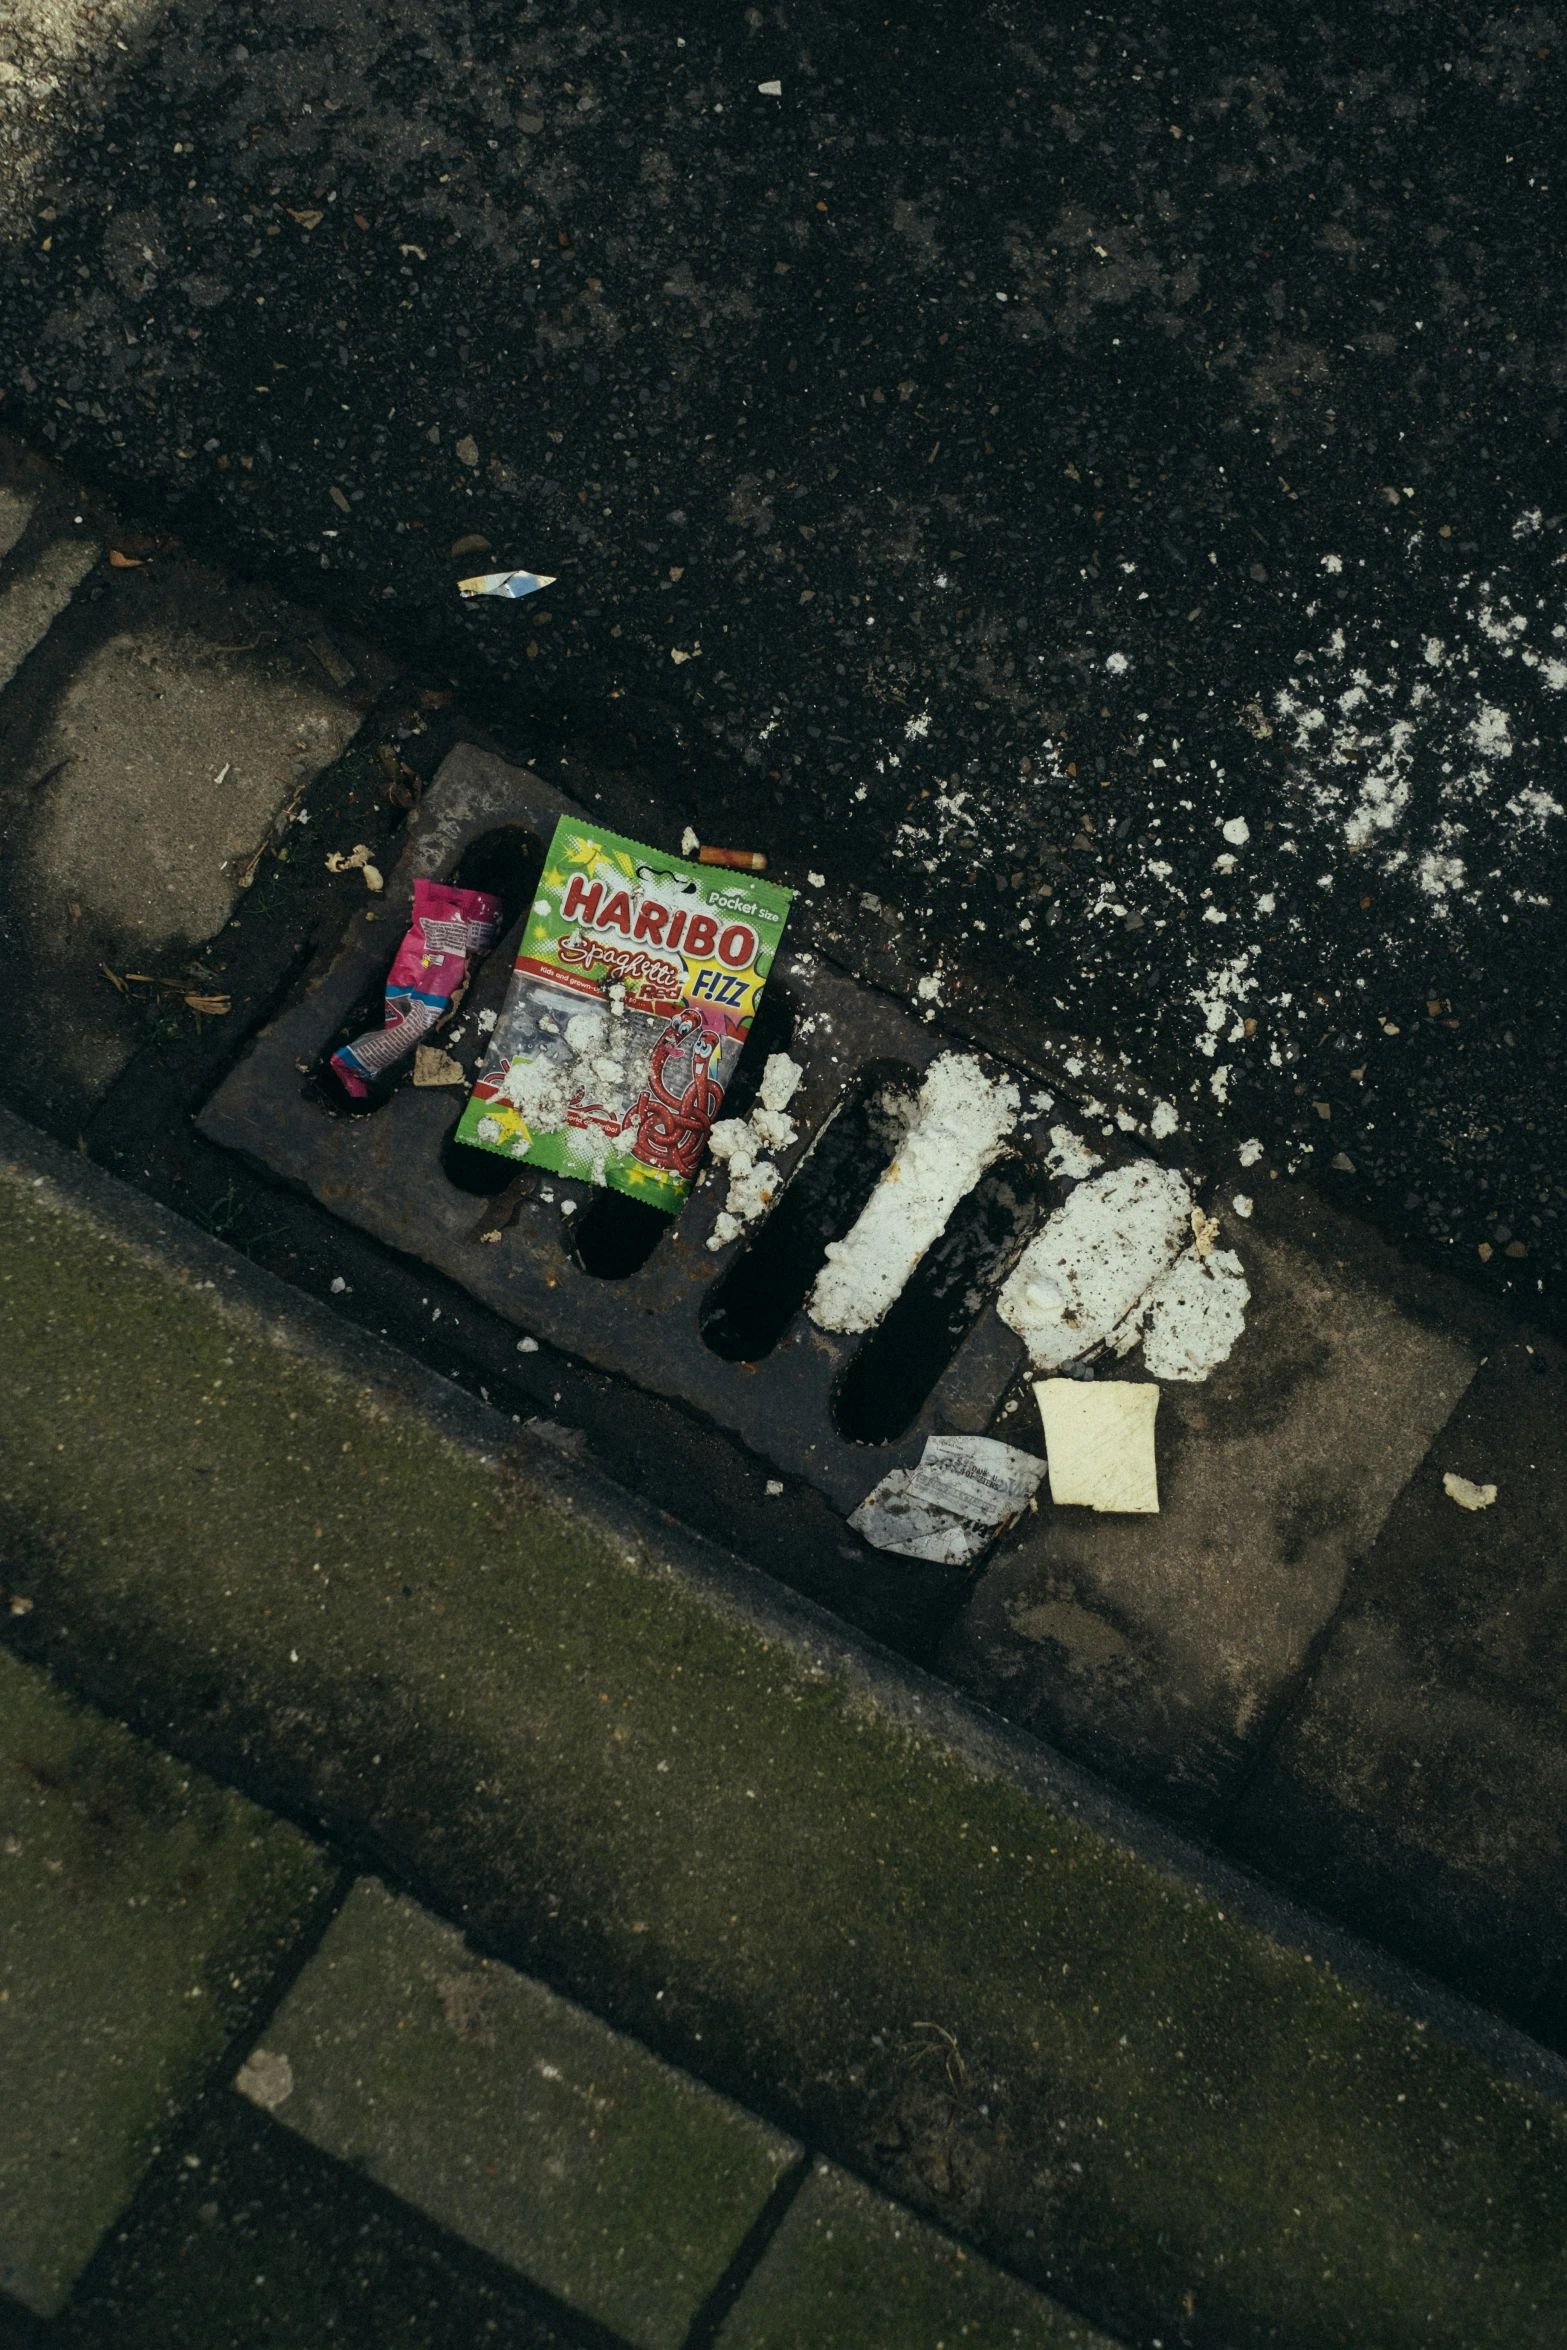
(881, 1392)
(615, 1235)
(748, 1311)
(772, 1031)
(321, 1088)
(507, 862)
(479, 1173)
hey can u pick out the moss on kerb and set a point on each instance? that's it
(636, 1789)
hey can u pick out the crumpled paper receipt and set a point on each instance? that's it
(948, 1508)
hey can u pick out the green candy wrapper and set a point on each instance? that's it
(636, 982)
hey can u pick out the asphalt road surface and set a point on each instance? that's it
(1091, 481)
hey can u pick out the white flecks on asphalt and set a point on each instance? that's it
(1417, 774)
(960, 1120)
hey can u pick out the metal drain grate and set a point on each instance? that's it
(621, 1286)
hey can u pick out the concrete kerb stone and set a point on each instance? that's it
(1169, 2083)
(653, 1542)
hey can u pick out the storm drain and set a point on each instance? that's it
(618, 1284)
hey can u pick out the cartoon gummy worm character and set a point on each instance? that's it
(672, 1127)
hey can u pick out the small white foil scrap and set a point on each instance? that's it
(949, 1507)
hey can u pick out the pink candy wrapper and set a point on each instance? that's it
(448, 926)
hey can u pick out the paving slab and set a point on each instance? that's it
(144, 1916)
(1421, 1781)
(245, 2237)
(1161, 1648)
(515, 2119)
(170, 757)
(147, 751)
(16, 511)
(768, 1851)
(32, 600)
(848, 2270)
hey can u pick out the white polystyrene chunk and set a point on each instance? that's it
(774, 1129)
(1094, 1259)
(961, 1119)
(1194, 1315)
(730, 1139)
(1069, 1155)
(751, 1193)
(779, 1080)
(585, 1031)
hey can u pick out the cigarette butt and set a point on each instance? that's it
(743, 860)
